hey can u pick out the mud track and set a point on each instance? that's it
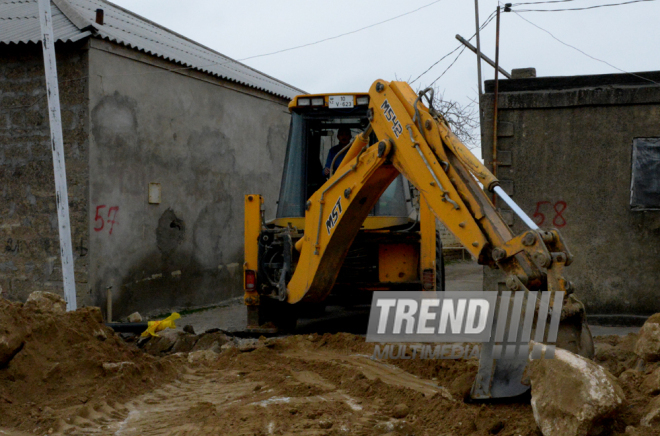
(284, 398)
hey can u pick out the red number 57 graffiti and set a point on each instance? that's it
(101, 221)
(558, 220)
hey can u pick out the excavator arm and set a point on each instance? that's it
(416, 141)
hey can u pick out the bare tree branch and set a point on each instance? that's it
(463, 119)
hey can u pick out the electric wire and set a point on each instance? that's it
(450, 65)
(482, 27)
(343, 34)
(436, 63)
(580, 9)
(586, 54)
(539, 3)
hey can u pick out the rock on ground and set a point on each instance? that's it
(45, 302)
(652, 416)
(631, 378)
(164, 342)
(648, 343)
(571, 395)
(184, 343)
(400, 411)
(135, 317)
(175, 341)
(211, 341)
(651, 384)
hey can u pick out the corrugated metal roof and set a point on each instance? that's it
(19, 23)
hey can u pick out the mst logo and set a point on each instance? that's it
(334, 216)
(391, 117)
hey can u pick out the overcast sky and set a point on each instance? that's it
(627, 37)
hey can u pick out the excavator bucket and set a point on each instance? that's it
(503, 360)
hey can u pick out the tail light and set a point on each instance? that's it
(428, 279)
(250, 279)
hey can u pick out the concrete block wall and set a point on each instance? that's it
(29, 241)
(564, 147)
(208, 143)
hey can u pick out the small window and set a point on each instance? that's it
(645, 183)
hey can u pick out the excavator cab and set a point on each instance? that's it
(313, 132)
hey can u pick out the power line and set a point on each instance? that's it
(232, 61)
(436, 63)
(580, 9)
(482, 27)
(539, 3)
(450, 65)
(586, 54)
(343, 34)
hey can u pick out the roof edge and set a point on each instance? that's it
(200, 45)
(558, 83)
(188, 66)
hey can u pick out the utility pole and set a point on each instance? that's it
(497, 70)
(466, 43)
(476, 17)
(478, 34)
(57, 147)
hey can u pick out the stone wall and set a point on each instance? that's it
(564, 147)
(29, 241)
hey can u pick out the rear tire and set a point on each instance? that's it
(439, 264)
(282, 315)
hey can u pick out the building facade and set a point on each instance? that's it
(581, 154)
(163, 137)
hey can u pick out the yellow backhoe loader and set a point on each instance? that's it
(352, 234)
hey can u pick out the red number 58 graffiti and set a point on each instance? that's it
(101, 222)
(558, 220)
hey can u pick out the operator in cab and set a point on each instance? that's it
(344, 136)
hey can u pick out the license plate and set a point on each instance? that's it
(340, 101)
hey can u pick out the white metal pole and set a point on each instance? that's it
(512, 204)
(57, 147)
(476, 18)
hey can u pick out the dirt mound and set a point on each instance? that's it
(640, 381)
(75, 376)
(65, 361)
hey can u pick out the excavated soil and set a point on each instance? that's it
(306, 384)
(59, 370)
